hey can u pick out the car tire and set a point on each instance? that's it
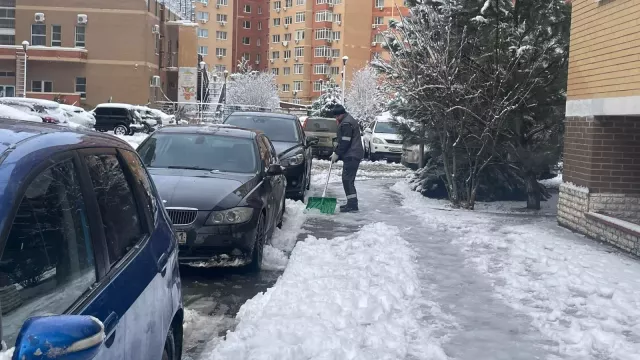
(258, 247)
(373, 157)
(281, 218)
(121, 129)
(147, 128)
(169, 352)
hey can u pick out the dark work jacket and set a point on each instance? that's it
(349, 140)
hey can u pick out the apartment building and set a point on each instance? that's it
(600, 196)
(216, 31)
(251, 36)
(93, 51)
(309, 38)
(383, 12)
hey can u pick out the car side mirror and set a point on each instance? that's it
(63, 337)
(275, 170)
(312, 140)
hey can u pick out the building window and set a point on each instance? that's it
(220, 68)
(287, 37)
(286, 54)
(39, 34)
(275, 38)
(297, 101)
(286, 71)
(320, 69)
(379, 38)
(317, 86)
(222, 2)
(246, 56)
(221, 35)
(203, 33)
(7, 91)
(246, 24)
(246, 40)
(323, 34)
(258, 57)
(336, 35)
(324, 16)
(335, 53)
(222, 52)
(81, 87)
(41, 86)
(379, 3)
(288, 20)
(202, 15)
(288, 3)
(258, 42)
(275, 71)
(259, 9)
(335, 70)
(299, 2)
(286, 87)
(277, 5)
(337, 18)
(299, 34)
(298, 69)
(275, 55)
(221, 18)
(7, 18)
(247, 9)
(299, 51)
(56, 35)
(300, 17)
(80, 36)
(203, 50)
(379, 20)
(204, 2)
(297, 86)
(259, 25)
(276, 22)
(322, 51)
(7, 39)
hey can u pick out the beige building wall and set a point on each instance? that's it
(605, 49)
(218, 30)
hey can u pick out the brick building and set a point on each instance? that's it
(601, 193)
(97, 50)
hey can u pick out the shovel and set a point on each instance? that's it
(326, 205)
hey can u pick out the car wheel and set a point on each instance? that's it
(147, 128)
(169, 352)
(372, 157)
(258, 247)
(121, 130)
(281, 218)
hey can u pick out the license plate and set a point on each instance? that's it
(182, 237)
(395, 150)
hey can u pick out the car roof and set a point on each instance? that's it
(30, 101)
(115, 105)
(264, 114)
(217, 129)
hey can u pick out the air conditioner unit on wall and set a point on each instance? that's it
(296, 59)
(373, 26)
(155, 81)
(155, 29)
(39, 17)
(82, 19)
(204, 21)
(222, 23)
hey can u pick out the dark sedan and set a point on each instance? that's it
(223, 188)
(291, 143)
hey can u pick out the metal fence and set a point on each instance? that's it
(195, 113)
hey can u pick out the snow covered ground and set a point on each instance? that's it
(133, 140)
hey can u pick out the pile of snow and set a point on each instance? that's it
(201, 328)
(337, 299)
(8, 112)
(133, 140)
(368, 170)
(275, 256)
(553, 183)
(581, 296)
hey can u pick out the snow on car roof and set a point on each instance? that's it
(8, 112)
(47, 103)
(116, 105)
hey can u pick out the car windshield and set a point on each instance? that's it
(276, 128)
(385, 128)
(199, 152)
(321, 125)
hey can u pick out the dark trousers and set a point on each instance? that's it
(349, 170)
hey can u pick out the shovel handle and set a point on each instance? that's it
(328, 177)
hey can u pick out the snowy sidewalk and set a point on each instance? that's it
(352, 297)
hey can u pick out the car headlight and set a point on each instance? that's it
(293, 160)
(378, 141)
(231, 216)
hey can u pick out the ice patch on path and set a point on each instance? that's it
(200, 328)
(275, 256)
(354, 297)
(579, 294)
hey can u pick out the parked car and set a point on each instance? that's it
(77, 115)
(382, 141)
(122, 119)
(11, 113)
(325, 130)
(223, 187)
(292, 145)
(150, 120)
(86, 240)
(49, 111)
(411, 155)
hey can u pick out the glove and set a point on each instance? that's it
(334, 157)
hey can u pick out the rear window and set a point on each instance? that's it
(321, 125)
(103, 111)
(276, 128)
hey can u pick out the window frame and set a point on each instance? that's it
(59, 33)
(39, 35)
(75, 38)
(83, 94)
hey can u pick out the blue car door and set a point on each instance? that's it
(138, 255)
(52, 258)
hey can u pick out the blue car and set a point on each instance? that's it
(88, 255)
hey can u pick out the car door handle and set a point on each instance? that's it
(162, 264)
(110, 328)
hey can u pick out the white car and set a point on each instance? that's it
(11, 113)
(78, 116)
(48, 111)
(382, 141)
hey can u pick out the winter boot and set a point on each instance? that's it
(351, 206)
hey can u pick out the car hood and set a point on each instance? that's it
(281, 146)
(202, 190)
(387, 136)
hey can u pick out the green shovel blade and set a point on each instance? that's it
(326, 205)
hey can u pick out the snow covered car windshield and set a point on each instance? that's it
(199, 152)
(385, 128)
(276, 128)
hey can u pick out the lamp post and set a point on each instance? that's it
(344, 76)
(203, 67)
(226, 92)
(25, 46)
(295, 95)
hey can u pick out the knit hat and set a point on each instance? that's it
(338, 110)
